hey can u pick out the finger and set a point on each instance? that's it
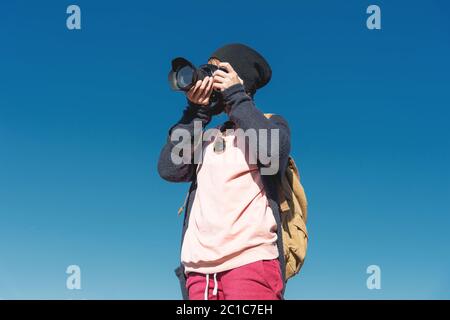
(207, 90)
(218, 86)
(210, 85)
(204, 83)
(205, 100)
(221, 73)
(200, 90)
(197, 86)
(194, 89)
(226, 66)
(219, 79)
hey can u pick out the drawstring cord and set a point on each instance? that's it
(215, 284)
(207, 286)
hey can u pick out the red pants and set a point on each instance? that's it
(260, 280)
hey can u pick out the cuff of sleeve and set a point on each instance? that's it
(192, 104)
(227, 93)
(199, 112)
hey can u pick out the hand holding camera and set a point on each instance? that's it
(200, 93)
(225, 79)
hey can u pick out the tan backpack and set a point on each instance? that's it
(293, 211)
(293, 207)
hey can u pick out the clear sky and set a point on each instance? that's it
(84, 113)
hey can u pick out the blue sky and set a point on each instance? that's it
(83, 115)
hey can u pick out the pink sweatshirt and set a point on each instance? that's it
(231, 223)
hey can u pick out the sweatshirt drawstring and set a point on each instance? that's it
(215, 285)
(207, 286)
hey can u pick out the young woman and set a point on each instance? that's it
(231, 241)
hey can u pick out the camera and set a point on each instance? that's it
(184, 75)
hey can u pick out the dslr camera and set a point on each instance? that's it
(184, 75)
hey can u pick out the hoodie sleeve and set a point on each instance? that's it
(244, 113)
(183, 172)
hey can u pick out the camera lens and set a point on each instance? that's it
(185, 77)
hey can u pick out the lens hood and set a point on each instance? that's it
(179, 64)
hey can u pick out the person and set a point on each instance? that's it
(231, 246)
